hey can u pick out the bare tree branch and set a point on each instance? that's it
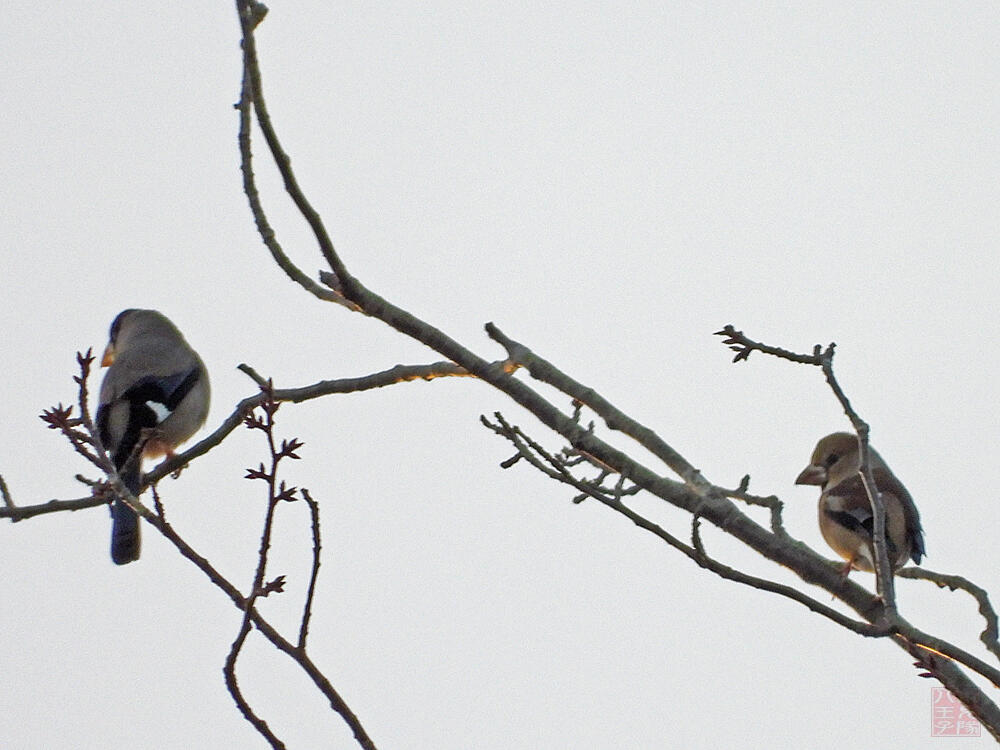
(397, 374)
(528, 448)
(696, 495)
(619, 474)
(615, 419)
(20, 513)
(103, 491)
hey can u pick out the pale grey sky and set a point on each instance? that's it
(608, 184)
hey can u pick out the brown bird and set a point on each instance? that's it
(156, 388)
(845, 512)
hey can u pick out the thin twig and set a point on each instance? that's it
(953, 582)
(771, 502)
(22, 512)
(8, 501)
(229, 673)
(744, 347)
(251, 73)
(397, 374)
(314, 575)
(884, 584)
(869, 630)
(823, 358)
(257, 589)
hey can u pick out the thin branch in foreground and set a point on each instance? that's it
(392, 376)
(229, 672)
(59, 418)
(953, 582)
(314, 574)
(276, 494)
(8, 501)
(529, 449)
(84, 442)
(85, 361)
(397, 374)
(614, 418)
(745, 346)
(823, 358)
(909, 637)
(299, 656)
(257, 589)
(869, 630)
(22, 512)
(252, 97)
(939, 646)
(771, 502)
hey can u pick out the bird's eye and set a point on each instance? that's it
(831, 460)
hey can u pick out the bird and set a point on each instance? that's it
(156, 391)
(846, 519)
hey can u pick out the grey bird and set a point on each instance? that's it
(156, 389)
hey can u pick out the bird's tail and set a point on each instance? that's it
(126, 539)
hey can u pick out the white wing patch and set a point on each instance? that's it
(160, 410)
(835, 503)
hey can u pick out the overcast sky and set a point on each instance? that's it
(609, 184)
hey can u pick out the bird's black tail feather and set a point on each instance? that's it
(126, 539)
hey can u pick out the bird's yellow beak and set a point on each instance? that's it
(812, 474)
(109, 355)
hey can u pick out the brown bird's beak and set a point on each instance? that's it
(109, 355)
(812, 474)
